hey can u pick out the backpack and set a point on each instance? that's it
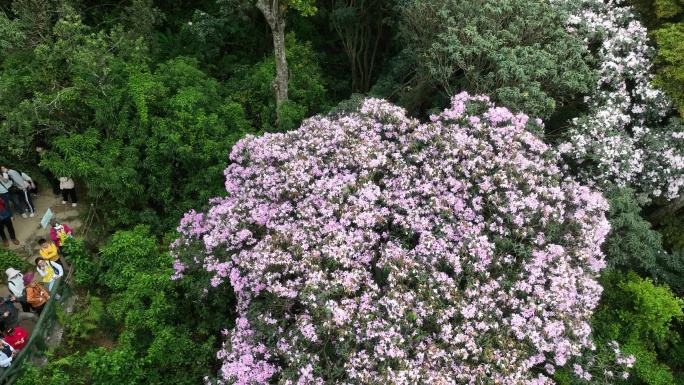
(24, 177)
(6, 349)
(55, 269)
(23, 293)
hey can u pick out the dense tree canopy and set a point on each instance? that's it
(516, 51)
(461, 242)
(410, 245)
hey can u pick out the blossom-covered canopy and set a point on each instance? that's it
(373, 248)
(623, 139)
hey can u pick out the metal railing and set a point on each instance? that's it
(36, 345)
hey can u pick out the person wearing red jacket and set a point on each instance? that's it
(17, 337)
(58, 233)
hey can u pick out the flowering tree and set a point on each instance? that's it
(372, 248)
(624, 139)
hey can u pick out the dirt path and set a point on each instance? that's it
(29, 230)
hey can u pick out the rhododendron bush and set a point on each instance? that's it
(373, 248)
(625, 137)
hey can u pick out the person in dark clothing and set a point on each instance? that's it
(6, 221)
(10, 316)
(54, 182)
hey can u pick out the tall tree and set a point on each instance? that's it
(459, 240)
(274, 12)
(361, 27)
(516, 51)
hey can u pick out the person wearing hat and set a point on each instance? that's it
(10, 316)
(36, 295)
(17, 337)
(15, 283)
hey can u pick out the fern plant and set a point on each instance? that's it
(85, 320)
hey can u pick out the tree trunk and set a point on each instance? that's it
(273, 12)
(359, 24)
(671, 208)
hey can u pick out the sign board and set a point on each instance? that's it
(46, 218)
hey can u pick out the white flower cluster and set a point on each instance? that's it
(623, 139)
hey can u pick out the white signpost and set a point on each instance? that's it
(46, 218)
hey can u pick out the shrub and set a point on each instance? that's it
(9, 258)
(128, 253)
(371, 248)
(639, 315)
(85, 271)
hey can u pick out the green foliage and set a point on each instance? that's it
(149, 140)
(85, 271)
(146, 304)
(9, 259)
(665, 21)
(657, 12)
(639, 315)
(128, 254)
(307, 91)
(672, 229)
(168, 151)
(633, 244)
(114, 367)
(83, 321)
(30, 376)
(516, 51)
(158, 321)
(668, 8)
(164, 336)
(670, 76)
(305, 7)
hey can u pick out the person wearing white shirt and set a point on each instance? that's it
(8, 195)
(24, 184)
(7, 353)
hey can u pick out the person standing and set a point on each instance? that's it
(49, 251)
(58, 233)
(40, 152)
(8, 192)
(24, 184)
(36, 294)
(67, 186)
(6, 221)
(15, 284)
(50, 271)
(11, 316)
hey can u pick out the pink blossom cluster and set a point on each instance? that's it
(623, 139)
(373, 248)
